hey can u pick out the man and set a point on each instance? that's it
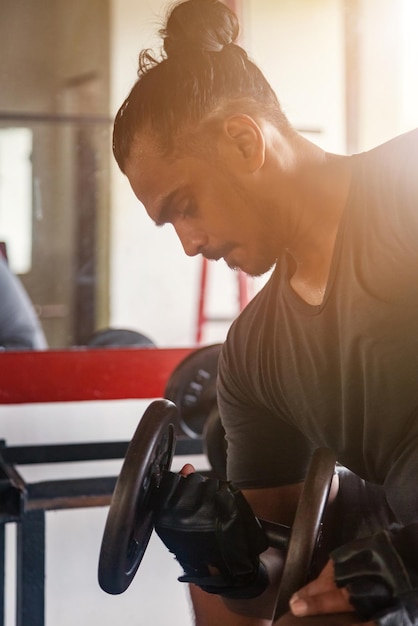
(326, 354)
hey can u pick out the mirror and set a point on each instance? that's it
(54, 160)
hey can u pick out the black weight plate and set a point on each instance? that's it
(306, 527)
(130, 519)
(192, 388)
(119, 338)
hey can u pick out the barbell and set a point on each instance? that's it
(131, 516)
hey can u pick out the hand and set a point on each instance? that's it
(187, 469)
(321, 596)
(206, 523)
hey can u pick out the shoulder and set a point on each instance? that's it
(381, 230)
(406, 143)
(387, 181)
(398, 156)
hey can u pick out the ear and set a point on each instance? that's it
(244, 142)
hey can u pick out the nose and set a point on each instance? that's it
(193, 240)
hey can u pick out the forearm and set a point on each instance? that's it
(210, 609)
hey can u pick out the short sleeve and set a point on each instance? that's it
(263, 449)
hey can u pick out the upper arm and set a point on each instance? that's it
(275, 504)
(264, 449)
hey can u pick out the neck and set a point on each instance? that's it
(312, 193)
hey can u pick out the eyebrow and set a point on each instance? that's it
(166, 208)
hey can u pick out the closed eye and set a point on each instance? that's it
(189, 210)
(176, 205)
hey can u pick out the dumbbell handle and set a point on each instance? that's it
(277, 534)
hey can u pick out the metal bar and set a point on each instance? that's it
(30, 570)
(77, 452)
(243, 290)
(201, 316)
(12, 491)
(186, 445)
(277, 534)
(79, 493)
(65, 453)
(54, 118)
(62, 118)
(70, 494)
(75, 493)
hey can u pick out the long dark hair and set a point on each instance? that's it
(201, 72)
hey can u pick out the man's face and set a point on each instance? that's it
(213, 211)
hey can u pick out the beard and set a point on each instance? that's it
(255, 269)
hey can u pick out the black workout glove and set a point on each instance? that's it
(205, 521)
(381, 575)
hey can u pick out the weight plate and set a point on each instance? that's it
(306, 527)
(130, 519)
(192, 388)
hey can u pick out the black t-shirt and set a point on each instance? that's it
(344, 374)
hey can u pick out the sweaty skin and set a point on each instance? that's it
(263, 193)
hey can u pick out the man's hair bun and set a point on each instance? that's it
(200, 74)
(199, 26)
